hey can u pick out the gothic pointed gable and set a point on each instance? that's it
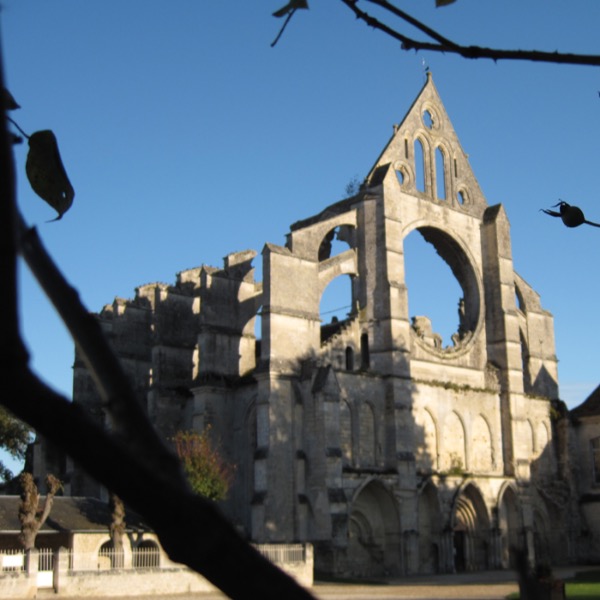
(427, 159)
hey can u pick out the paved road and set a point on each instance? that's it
(488, 585)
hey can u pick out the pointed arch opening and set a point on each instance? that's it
(349, 358)
(374, 533)
(367, 437)
(419, 154)
(364, 351)
(510, 525)
(525, 437)
(440, 173)
(430, 530)
(471, 528)
(335, 241)
(481, 459)
(453, 459)
(427, 442)
(257, 336)
(336, 306)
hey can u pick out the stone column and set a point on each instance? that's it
(530, 546)
(447, 552)
(495, 557)
(501, 321)
(411, 552)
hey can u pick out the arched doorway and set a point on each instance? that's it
(511, 526)
(470, 526)
(374, 533)
(430, 527)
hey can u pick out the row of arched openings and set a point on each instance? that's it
(438, 171)
(470, 538)
(448, 453)
(471, 531)
(350, 359)
(145, 554)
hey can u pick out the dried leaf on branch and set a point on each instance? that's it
(46, 172)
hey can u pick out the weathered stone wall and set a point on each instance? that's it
(391, 450)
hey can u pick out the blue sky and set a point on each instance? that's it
(186, 137)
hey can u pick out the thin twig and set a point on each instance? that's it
(17, 126)
(287, 20)
(414, 22)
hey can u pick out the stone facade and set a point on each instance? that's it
(390, 452)
(585, 421)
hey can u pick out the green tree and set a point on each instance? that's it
(208, 473)
(14, 438)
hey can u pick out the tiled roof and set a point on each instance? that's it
(69, 513)
(590, 407)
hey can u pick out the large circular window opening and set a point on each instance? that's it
(443, 295)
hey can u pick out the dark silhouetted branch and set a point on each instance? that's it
(127, 415)
(190, 528)
(444, 45)
(132, 461)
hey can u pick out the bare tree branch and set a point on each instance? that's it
(414, 22)
(448, 47)
(131, 461)
(128, 417)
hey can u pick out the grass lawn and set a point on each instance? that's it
(584, 586)
(583, 591)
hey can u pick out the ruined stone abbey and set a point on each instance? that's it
(366, 436)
